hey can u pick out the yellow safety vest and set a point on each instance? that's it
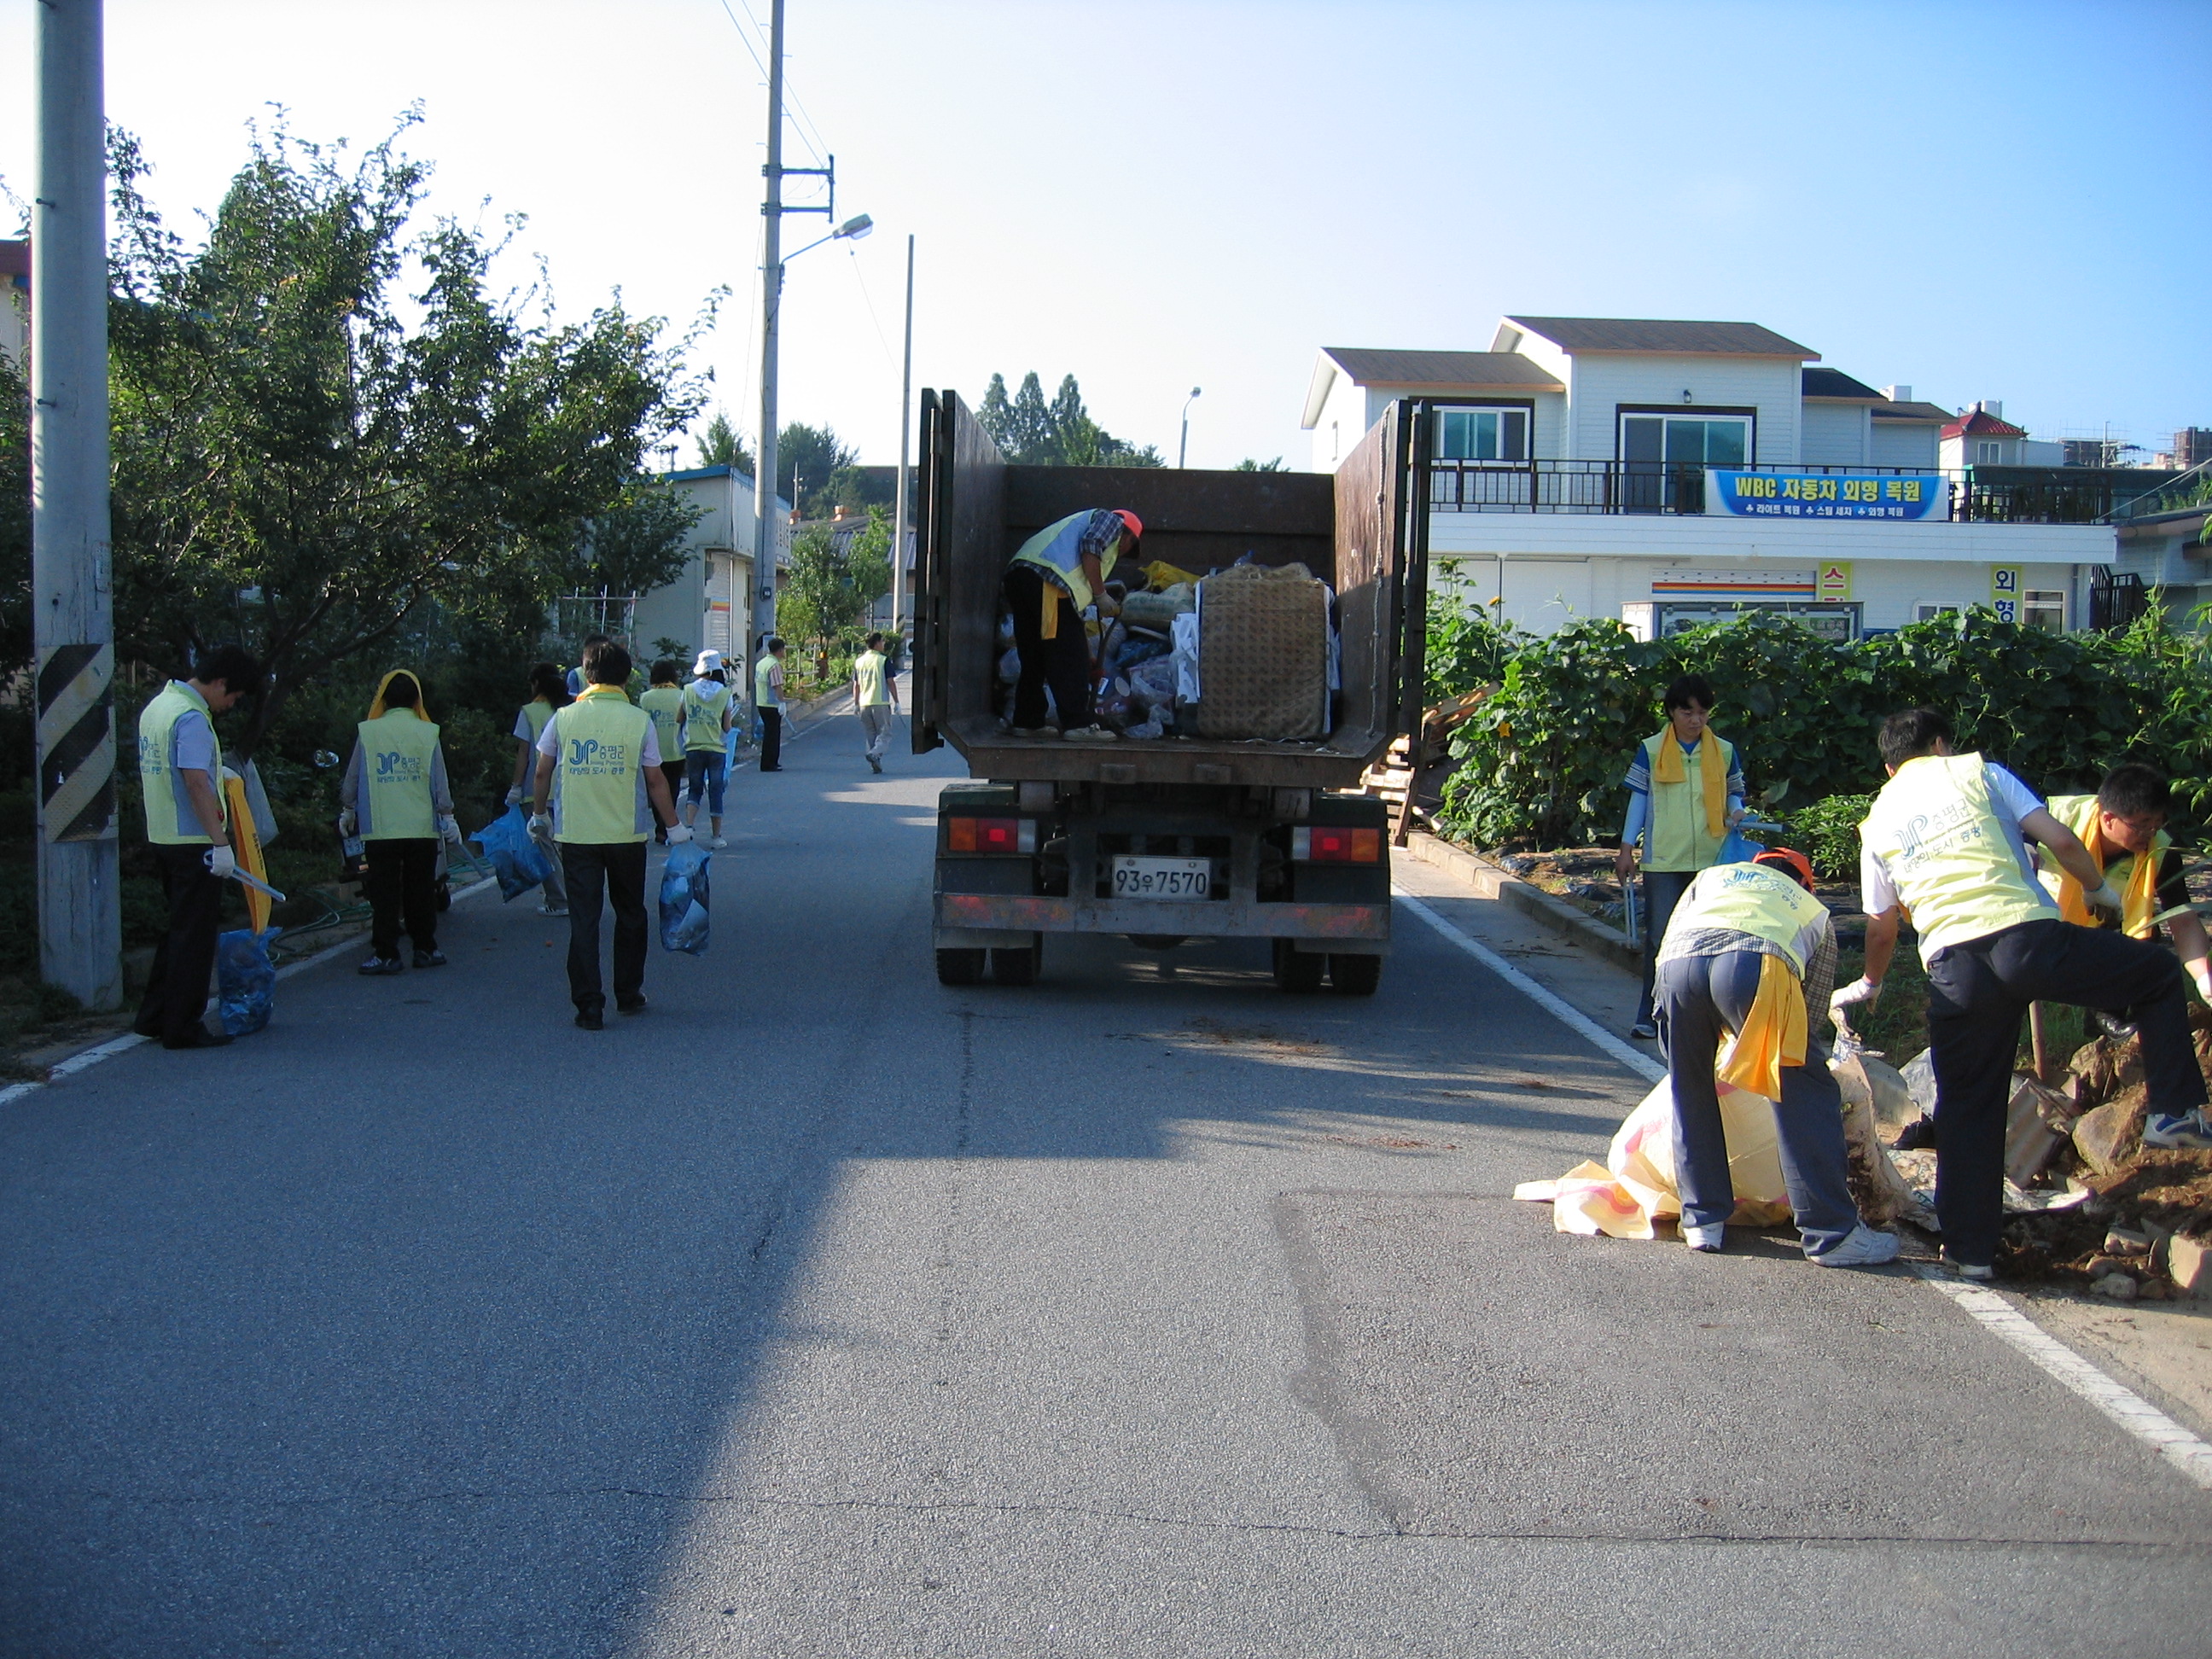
(2138, 885)
(1679, 837)
(394, 802)
(538, 711)
(1751, 898)
(171, 818)
(764, 695)
(598, 778)
(703, 714)
(1952, 857)
(1052, 549)
(868, 674)
(665, 704)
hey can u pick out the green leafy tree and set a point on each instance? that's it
(722, 446)
(1248, 465)
(809, 457)
(15, 518)
(1031, 432)
(641, 542)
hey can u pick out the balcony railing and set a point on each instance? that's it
(2016, 496)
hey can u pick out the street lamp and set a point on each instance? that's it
(1183, 449)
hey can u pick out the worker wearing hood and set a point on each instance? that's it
(396, 798)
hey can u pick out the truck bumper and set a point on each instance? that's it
(1351, 929)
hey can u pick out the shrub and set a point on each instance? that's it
(1827, 832)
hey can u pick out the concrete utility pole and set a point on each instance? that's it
(79, 920)
(764, 515)
(906, 415)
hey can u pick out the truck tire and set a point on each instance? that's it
(1017, 967)
(1354, 976)
(1296, 970)
(960, 967)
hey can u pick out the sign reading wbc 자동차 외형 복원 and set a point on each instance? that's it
(1824, 495)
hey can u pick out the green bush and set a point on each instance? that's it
(1827, 832)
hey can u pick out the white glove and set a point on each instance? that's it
(678, 834)
(2202, 973)
(2107, 897)
(1860, 990)
(348, 823)
(541, 824)
(514, 795)
(222, 863)
(450, 828)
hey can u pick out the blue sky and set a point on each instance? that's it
(1999, 201)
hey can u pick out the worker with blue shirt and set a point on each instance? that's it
(598, 792)
(395, 797)
(1054, 577)
(1946, 839)
(179, 771)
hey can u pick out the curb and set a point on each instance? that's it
(1491, 881)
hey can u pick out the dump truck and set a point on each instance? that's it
(1179, 838)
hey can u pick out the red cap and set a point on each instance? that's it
(1790, 859)
(1136, 524)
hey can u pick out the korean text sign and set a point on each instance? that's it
(1824, 495)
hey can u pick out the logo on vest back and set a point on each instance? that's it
(592, 758)
(392, 767)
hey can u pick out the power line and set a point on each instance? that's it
(816, 146)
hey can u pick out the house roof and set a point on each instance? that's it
(1983, 424)
(1834, 382)
(1912, 411)
(1425, 371)
(1659, 336)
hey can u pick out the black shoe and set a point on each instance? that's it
(590, 1019)
(432, 957)
(147, 1031)
(1644, 1028)
(200, 1037)
(1915, 1136)
(377, 966)
(771, 768)
(629, 1005)
(2112, 1026)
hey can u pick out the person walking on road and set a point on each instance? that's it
(1054, 577)
(396, 798)
(549, 692)
(179, 772)
(1944, 838)
(1684, 794)
(875, 699)
(598, 792)
(576, 680)
(768, 699)
(1750, 951)
(708, 705)
(663, 701)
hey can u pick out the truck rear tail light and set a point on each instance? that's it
(1324, 843)
(991, 834)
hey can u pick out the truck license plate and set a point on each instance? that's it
(1162, 878)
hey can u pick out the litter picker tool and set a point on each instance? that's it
(247, 878)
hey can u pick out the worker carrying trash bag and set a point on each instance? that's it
(396, 798)
(1054, 577)
(1946, 837)
(1751, 951)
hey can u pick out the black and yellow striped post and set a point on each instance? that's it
(79, 917)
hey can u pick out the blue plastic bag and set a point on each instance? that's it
(1738, 848)
(517, 861)
(245, 979)
(684, 899)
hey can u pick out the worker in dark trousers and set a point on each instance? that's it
(1944, 839)
(600, 791)
(768, 700)
(1056, 575)
(181, 772)
(395, 799)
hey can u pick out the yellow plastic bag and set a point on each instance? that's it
(1637, 1186)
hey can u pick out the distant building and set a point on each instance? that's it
(1981, 437)
(709, 604)
(15, 302)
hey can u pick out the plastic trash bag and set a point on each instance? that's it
(684, 899)
(518, 862)
(245, 979)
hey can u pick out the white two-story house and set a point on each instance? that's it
(1669, 472)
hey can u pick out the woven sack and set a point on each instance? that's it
(1263, 655)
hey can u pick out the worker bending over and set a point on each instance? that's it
(1751, 951)
(1944, 841)
(396, 798)
(1056, 575)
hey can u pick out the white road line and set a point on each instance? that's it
(2191, 1455)
(1568, 1015)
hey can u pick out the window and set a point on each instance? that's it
(1685, 440)
(2044, 608)
(1929, 613)
(1989, 452)
(1482, 434)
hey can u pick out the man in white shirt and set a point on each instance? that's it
(875, 699)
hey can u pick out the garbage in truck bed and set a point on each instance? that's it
(1249, 653)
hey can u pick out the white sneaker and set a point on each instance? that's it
(1862, 1247)
(1706, 1240)
(2176, 1129)
(718, 843)
(1092, 734)
(552, 909)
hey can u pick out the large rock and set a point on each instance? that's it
(2112, 1134)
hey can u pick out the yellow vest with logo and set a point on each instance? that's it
(703, 704)
(598, 778)
(665, 704)
(394, 802)
(1054, 548)
(1750, 898)
(171, 818)
(1679, 837)
(2079, 814)
(1954, 861)
(764, 695)
(538, 711)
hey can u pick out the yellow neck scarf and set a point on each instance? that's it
(1673, 766)
(376, 708)
(2140, 902)
(1774, 1032)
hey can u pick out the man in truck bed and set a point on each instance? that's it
(1058, 574)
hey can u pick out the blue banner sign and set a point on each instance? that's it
(1824, 495)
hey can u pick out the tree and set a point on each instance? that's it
(810, 456)
(308, 454)
(15, 518)
(1030, 432)
(835, 576)
(641, 541)
(1248, 465)
(722, 446)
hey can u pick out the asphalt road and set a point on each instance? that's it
(825, 1310)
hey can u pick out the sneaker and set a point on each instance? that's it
(552, 909)
(432, 957)
(2185, 1129)
(718, 843)
(377, 966)
(1968, 1271)
(874, 764)
(1704, 1240)
(1031, 732)
(1915, 1136)
(589, 1019)
(1090, 734)
(631, 1005)
(202, 1037)
(1862, 1247)
(1644, 1028)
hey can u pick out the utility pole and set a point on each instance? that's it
(80, 918)
(906, 414)
(764, 515)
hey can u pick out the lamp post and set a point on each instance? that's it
(1183, 449)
